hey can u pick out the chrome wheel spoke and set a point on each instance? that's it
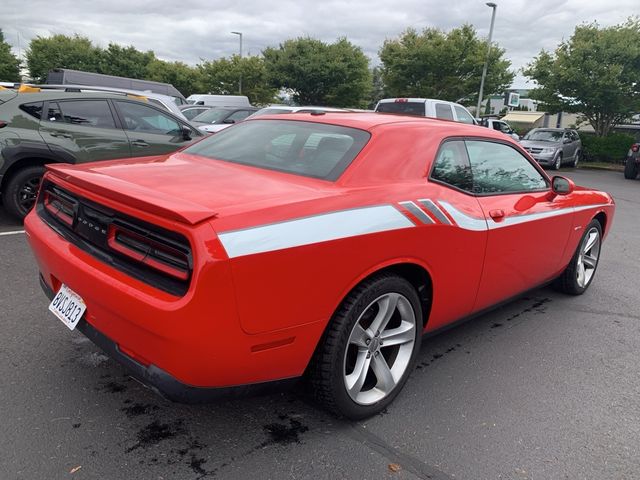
(589, 262)
(581, 274)
(387, 305)
(405, 333)
(593, 238)
(383, 374)
(359, 336)
(355, 380)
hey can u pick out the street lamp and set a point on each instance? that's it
(240, 80)
(486, 62)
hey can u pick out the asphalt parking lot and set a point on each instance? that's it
(547, 387)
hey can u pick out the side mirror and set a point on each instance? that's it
(229, 121)
(562, 185)
(186, 133)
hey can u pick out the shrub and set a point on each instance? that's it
(612, 148)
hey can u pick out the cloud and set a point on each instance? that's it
(192, 30)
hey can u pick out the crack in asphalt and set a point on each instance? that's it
(420, 469)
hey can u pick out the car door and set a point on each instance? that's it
(151, 131)
(455, 233)
(528, 227)
(83, 131)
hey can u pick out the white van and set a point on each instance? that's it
(219, 100)
(426, 107)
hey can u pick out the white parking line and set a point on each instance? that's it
(13, 232)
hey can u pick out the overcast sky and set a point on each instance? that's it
(190, 30)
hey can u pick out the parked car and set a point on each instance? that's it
(164, 101)
(280, 109)
(219, 100)
(554, 147)
(305, 245)
(217, 119)
(191, 111)
(632, 162)
(499, 125)
(426, 107)
(56, 126)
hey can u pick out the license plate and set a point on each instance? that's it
(68, 306)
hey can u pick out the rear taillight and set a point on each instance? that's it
(635, 147)
(150, 252)
(401, 100)
(3, 124)
(60, 207)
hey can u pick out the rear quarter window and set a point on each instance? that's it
(34, 109)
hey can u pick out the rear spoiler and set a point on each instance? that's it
(132, 195)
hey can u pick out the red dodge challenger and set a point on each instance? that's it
(320, 245)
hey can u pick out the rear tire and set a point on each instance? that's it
(582, 269)
(19, 194)
(353, 373)
(576, 159)
(631, 168)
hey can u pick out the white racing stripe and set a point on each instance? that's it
(14, 232)
(314, 229)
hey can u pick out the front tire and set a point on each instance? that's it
(580, 272)
(630, 169)
(369, 348)
(558, 163)
(19, 195)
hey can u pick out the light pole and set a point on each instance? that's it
(486, 62)
(240, 80)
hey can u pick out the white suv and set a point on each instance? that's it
(426, 107)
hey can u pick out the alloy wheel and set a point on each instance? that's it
(27, 193)
(379, 348)
(588, 257)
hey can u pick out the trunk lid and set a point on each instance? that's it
(188, 188)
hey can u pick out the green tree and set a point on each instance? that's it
(61, 51)
(443, 65)
(318, 73)
(185, 78)
(125, 61)
(9, 63)
(222, 77)
(596, 73)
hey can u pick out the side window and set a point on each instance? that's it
(141, 118)
(239, 115)
(443, 110)
(496, 126)
(92, 113)
(53, 113)
(33, 109)
(499, 168)
(452, 167)
(504, 128)
(463, 115)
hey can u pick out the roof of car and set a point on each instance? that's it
(370, 121)
(57, 94)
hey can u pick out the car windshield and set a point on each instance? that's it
(405, 108)
(544, 135)
(302, 148)
(213, 115)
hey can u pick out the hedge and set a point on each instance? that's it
(612, 148)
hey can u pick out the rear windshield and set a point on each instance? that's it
(405, 108)
(270, 111)
(302, 148)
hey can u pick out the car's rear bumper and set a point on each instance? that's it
(162, 382)
(177, 345)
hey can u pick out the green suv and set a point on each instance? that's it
(56, 126)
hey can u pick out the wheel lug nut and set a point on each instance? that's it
(367, 341)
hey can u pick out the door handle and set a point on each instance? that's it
(60, 135)
(140, 143)
(497, 215)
